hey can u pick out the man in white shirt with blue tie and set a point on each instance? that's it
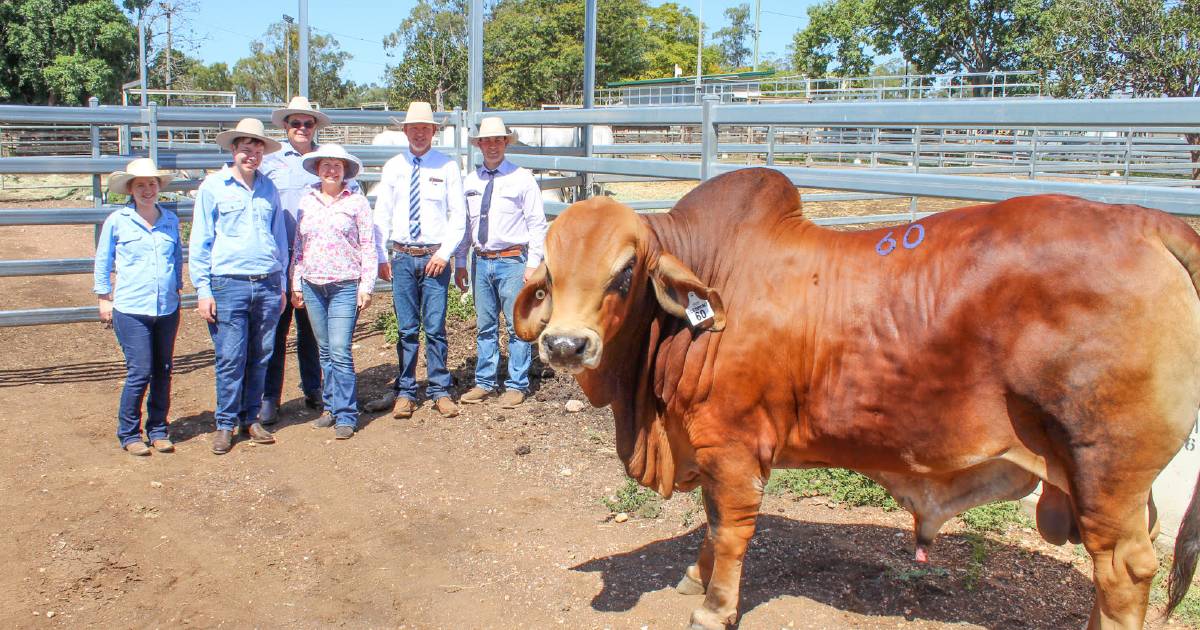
(420, 218)
(506, 229)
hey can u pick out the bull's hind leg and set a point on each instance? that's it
(1123, 566)
(733, 485)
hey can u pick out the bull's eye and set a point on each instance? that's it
(540, 294)
(622, 281)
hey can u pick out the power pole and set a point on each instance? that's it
(699, 48)
(303, 48)
(287, 55)
(757, 29)
(169, 9)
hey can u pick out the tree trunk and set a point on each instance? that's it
(1194, 139)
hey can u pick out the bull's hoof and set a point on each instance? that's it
(690, 585)
(705, 619)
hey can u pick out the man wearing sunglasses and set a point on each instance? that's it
(285, 168)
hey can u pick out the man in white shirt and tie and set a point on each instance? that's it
(420, 218)
(506, 229)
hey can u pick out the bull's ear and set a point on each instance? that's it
(532, 309)
(679, 290)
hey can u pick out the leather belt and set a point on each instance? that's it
(251, 278)
(515, 250)
(414, 250)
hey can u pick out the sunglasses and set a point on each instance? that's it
(297, 124)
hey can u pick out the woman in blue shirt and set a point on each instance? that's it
(140, 245)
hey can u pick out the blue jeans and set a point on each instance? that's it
(243, 338)
(306, 355)
(497, 281)
(149, 344)
(333, 310)
(420, 302)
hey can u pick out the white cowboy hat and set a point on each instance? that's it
(337, 152)
(247, 128)
(493, 127)
(418, 112)
(118, 182)
(298, 105)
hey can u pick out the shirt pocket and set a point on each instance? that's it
(132, 248)
(434, 192)
(230, 217)
(345, 222)
(474, 204)
(263, 213)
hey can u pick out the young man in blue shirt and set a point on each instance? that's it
(238, 256)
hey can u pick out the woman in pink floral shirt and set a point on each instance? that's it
(333, 274)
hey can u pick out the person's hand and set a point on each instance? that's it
(385, 271)
(364, 300)
(435, 266)
(529, 273)
(460, 279)
(207, 307)
(297, 299)
(106, 309)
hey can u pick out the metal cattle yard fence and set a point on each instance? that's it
(1139, 151)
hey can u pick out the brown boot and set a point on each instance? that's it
(446, 407)
(474, 396)
(222, 441)
(163, 445)
(138, 448)
(511, 398)
(259, 434)
(404, 407)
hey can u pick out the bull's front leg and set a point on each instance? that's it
(733, 488)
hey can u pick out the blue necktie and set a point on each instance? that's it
(485, 206)
(414, 201)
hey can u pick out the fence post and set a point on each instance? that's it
(708, 134)
(94, 102)
(912, 201)
(153, 122)
(1128, 151)
(1033, 149)
(457, 121)
(770, 145)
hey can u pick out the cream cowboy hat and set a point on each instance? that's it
(418, 112)
(493, 127)
(337, 152)
(298, 105)
(247, 128)
(118, 182)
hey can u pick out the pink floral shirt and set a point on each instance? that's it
(335, 242)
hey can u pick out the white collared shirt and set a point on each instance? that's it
(515, 215)
(442, 213)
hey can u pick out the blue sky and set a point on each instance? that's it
(226, 27)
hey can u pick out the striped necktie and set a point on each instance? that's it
(414, 201)
(485, 207)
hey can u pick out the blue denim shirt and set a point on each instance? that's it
(236, 231)
(148, 262)
(285, 167)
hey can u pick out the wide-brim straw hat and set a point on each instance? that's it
(247, 128)
(299, 105)
(335, 151)
(493, 127)
(418, 112)
(118, 182)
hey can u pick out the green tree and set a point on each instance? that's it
(837, 40)
(1130, 47)
(734, 51)
(62, 52)
(671, 32)
(533, 50)
(844, 36)
(262, 78)
(433, 40)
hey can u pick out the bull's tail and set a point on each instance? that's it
(1183, 242)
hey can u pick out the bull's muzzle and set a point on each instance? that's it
(572, 351)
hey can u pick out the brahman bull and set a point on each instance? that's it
(958, 359)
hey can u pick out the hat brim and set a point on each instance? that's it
(353, 165)
(279, 117)
(511, 135)
(400, 122)
(119, 181)
(225, 140)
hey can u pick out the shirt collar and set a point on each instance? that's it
(288, 149)
(501, 169)
(228, 178)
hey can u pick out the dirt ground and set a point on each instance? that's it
(493, 519)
